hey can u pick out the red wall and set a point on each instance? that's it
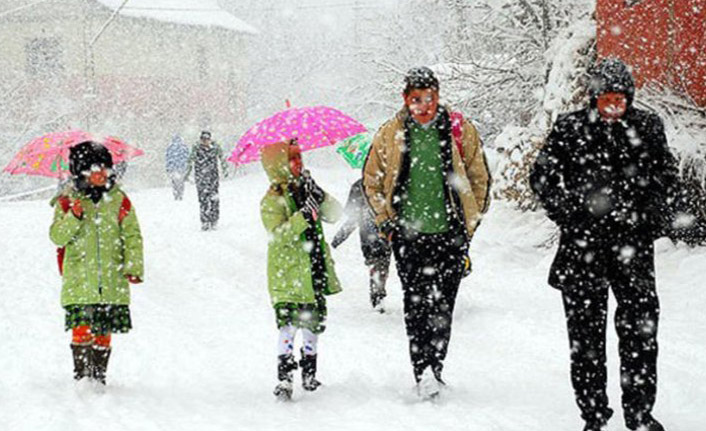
(663, 40)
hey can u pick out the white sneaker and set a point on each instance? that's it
(428, 386)
(89, 387)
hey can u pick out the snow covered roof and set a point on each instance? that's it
(189, 12)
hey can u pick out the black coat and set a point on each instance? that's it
(359, 215)
(206, 160)
(604, 185)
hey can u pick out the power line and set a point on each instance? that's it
(189, 9)
(8, 12)
(353, 5)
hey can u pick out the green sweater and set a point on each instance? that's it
(424, 210)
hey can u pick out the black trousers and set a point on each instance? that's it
(430, 269)
(626, 268)
(209, 203)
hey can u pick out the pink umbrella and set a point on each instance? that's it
(313, 127)
(48, 155)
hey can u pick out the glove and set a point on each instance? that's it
(77, 209)
(310, 210)
(386, 230)
(133, 279)
(310, 188)
(337, 240)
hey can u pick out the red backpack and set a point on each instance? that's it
(457, 131)
(65, 203)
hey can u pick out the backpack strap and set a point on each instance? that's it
(65, 204)
(457, 131)
(125, 207)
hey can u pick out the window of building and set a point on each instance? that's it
(43, 56)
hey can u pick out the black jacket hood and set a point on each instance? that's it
(611, 76)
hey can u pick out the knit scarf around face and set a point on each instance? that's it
(95, 193)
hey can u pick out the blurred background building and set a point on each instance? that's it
(140, 70)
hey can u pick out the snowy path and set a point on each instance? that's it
(202, 354)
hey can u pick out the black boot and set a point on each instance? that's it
(308, 364)
(83, 360)
(100, 363)
(378, 303)
(285, 365)
(595, 425)
(599, 422)
(645, 422)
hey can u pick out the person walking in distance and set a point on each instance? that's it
(206, 159)
(177, 159)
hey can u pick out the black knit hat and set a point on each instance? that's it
(611, 76)
(86, 154)
(420, 78)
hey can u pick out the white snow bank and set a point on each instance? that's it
(190, 12)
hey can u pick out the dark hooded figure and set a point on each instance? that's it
(606, 177)
(376, 250)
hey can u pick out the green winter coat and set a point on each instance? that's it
(288, 261)
(100, 250)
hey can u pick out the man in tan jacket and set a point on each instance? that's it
(427, 180)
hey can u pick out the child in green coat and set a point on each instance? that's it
(300, 270)
(100, 253)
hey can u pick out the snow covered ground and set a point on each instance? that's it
(202, 354)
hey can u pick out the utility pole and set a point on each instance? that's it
(356, 26)
(91, 93)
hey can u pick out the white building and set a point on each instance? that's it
(143, 72)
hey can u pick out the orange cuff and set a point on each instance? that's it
(81, 335)
(102, 340)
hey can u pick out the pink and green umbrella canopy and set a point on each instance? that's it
(313, 127)
(48, 155)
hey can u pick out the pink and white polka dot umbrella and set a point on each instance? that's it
(314, 127)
